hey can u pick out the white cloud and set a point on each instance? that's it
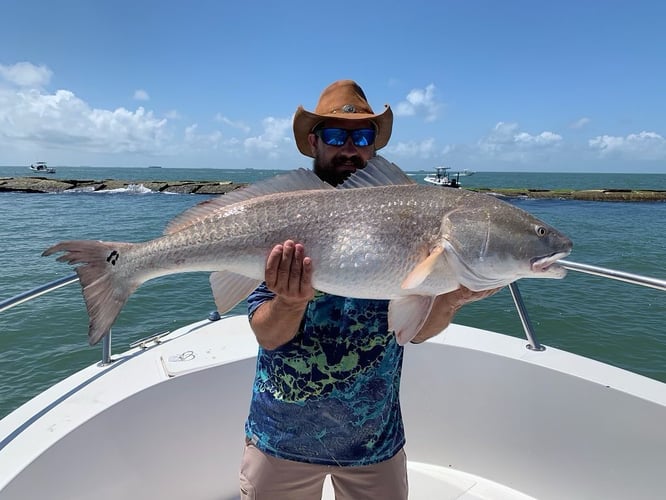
(25, 74)
(421, 149)
(641, 146)
(506, 136)
(277, 132)
(421, 102)
(580, 123)
(141, 95)
(196, 140)
(542, 139)
(502, 134)
(506, 142)
(237, 125)
(34, 120)
(63, 120)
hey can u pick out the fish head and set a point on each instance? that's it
(493, 243)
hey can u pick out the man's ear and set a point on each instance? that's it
(312, 139)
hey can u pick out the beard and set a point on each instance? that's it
(336, 170)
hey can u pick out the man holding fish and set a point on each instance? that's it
(353, 273)
(326, 393)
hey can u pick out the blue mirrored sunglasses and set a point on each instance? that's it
(361, 137)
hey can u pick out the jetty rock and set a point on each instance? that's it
(49, 185)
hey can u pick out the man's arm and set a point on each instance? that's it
(445, 307)
(289, 276)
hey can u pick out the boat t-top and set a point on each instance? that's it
(442, 177)
(41, 167)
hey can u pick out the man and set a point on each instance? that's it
(325, 396)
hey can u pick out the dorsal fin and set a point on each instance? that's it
(378, 172)
(296, 180)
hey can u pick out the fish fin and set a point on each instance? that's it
(230, 288)
(296, 180)
(422, 269)
(104, 295)
(378, 172)
(406, 315)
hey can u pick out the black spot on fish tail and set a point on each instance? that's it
(113, 257)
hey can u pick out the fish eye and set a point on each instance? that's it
(541, 231)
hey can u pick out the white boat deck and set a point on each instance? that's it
(432, 482)
(485, 418)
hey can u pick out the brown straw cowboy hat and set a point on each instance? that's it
(343, 99)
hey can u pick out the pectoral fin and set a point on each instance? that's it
(407, 315)
(422, 270)
(230, 288)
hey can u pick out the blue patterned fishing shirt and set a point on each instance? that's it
(330, 395)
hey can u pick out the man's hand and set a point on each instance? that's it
(462, 296)
(445, 307)
(288, 275)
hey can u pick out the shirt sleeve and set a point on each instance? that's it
(258, 297)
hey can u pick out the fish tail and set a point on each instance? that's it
(105, 292)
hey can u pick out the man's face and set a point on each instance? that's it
(334, 164)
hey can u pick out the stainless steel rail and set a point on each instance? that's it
(49, 287)
(36, 292)
(534, 344)
(635, 279)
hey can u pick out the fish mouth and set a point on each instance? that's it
(548, 265)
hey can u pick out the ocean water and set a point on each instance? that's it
(45, 340)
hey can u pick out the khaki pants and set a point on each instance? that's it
(264, 477)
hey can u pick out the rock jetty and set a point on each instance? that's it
(50, 185)
(583, 194)
(47, 185)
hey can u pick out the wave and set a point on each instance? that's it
(131, 189)
(139, 189)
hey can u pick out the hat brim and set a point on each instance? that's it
(305, 122)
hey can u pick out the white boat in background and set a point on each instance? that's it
(442, 177)
(486, 416)
(466, 173)
(42, 168)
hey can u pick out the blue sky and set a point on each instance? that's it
(576, 86)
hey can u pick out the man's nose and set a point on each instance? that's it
(349, 146)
